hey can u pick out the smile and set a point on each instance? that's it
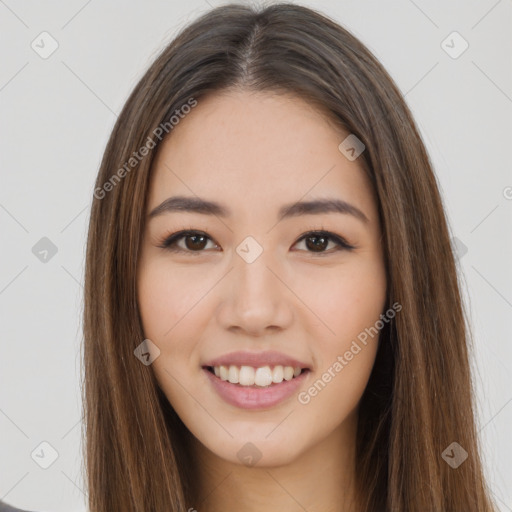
(253, 396)
(262, 376)
(255, 380)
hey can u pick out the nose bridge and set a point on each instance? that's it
(252, 275)
(257, 298)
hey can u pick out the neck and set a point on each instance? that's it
(319, 479)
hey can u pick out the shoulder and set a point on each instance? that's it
(7, 508)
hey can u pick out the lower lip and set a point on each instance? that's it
(247, 397)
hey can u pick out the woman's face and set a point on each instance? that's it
(252, 296)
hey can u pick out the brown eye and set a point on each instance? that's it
(318, 242)
(194, 242)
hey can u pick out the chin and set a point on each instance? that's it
(257, 449)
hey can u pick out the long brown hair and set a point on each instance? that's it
(419, 399)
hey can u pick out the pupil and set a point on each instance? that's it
(195, 245)
(320, 242)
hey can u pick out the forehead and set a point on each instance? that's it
(256, 149)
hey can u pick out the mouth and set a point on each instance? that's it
(256, 377)
(260, 388)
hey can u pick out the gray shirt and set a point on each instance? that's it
(7, 508)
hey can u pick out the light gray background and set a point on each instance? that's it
(57, 113)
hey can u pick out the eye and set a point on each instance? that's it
(196, 241)
(318, 241)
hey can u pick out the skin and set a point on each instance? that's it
(253, 152)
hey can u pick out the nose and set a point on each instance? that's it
(255, 297)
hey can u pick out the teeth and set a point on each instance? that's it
(277, 374)
(223, 370)
(263, 376)
(233, 374)
(246, 375)
(288, 373)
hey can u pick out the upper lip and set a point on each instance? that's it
(256, 360)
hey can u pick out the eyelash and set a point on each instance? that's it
(169, 242)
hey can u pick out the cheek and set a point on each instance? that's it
(167, 296)
(346, 300)
(171, 309)
(162, 304)
(350, 306)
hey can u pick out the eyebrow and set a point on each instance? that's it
(205, 207)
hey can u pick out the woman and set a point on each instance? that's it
(272, 314)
